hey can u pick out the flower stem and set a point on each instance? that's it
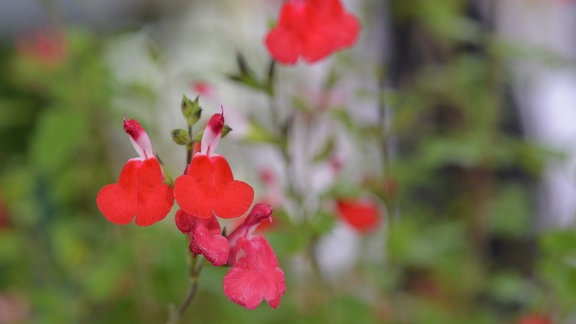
(189, 147)
(284, 129)
(194, 270)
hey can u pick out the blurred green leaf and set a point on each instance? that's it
(511, 212)
(57, 139)
(417, 244)
(322, 223)
(258, 133)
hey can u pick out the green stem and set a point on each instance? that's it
(194, 270)
(189, 147)
(284, 129)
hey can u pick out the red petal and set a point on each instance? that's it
(205, 237)
(212, 134)
(255, 274)
(118, 202)
(311, 29)
(362, 215)
(286, 40)
(317, 45)
(210, 189)
(184, 221)
(283, 46)
(155, 198)
(259, 213)
(535, 319)
(207, 240)
(345, 31)
(192, 197)
(140, 192)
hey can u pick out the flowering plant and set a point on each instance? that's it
(207, 189)
(375, 173)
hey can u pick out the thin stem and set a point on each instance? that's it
(194, 270)
(189, 147)
(284, 129)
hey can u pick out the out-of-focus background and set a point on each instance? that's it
(454, 120)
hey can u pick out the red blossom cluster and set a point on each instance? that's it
(308, 29)
(205, 191)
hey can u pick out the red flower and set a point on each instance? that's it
(255, 274)
(311, 29)
(140, 191)
(203, 88)
(205, 237)
(4, 217)
(362, 215)
(535, 319)
(47, 47)
(208, 187)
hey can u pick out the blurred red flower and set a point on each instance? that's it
(534, 319)
(4, 218)
(47, 47)
(363, 215)
(311, 29)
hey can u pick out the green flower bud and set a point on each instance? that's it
(191, 110)
(180, 136)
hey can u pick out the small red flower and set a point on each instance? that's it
(47, 47)
(535, 319)
(255, 274)
(140, 190)
(4, 217)
(203, 88)
(311, 29)
(362, 215)
(208, 187)
(205, 237)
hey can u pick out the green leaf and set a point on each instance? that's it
(245, 76)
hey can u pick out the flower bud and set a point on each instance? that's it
(180, 136)
(191, 110)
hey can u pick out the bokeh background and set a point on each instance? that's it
(453, 119)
